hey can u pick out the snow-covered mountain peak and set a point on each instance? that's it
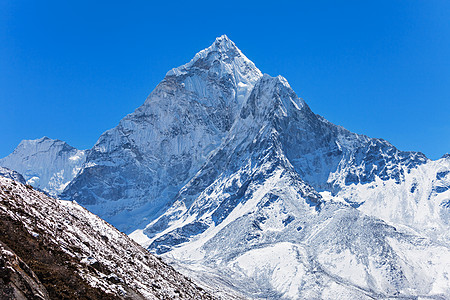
(224, 41)
(222, 59)
(272, 98)
(158, 148)
(47, 164)
(223, 44)
(42, 143)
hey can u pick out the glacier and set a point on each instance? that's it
(225, 172)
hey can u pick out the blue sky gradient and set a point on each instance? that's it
(72, 69)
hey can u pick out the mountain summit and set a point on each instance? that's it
(226, 171)
(156, 150)
(222, 52)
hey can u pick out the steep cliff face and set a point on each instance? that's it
(137, 167)
(45, 163)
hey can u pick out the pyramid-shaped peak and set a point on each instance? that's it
(272, 97)
(222, 38)
(223, 43)
(226, 53)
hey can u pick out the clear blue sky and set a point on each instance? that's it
(72, 69)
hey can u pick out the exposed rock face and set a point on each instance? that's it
(17, 280)
(54, 249)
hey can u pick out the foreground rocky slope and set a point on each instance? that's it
(17, 280)
(52, 249)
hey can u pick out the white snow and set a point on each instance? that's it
(45, 163)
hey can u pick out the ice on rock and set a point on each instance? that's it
(154, 151)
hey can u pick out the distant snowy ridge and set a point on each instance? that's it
(11, 174)
(420, 200)
(45, 163)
